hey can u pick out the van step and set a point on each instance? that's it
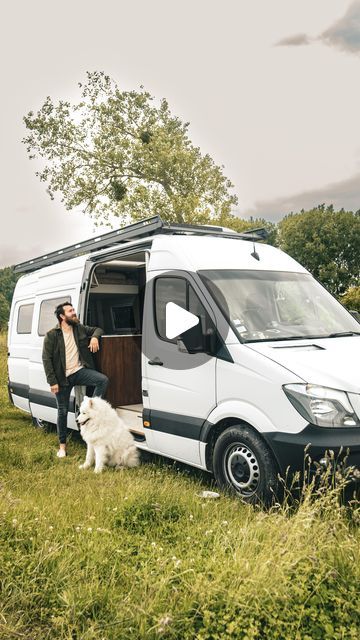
(131, 407)
(132, 416)
(138, 437)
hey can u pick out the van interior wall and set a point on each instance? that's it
(115, 303)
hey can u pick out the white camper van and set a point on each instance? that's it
(222, 352)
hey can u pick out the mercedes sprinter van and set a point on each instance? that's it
(222, 352)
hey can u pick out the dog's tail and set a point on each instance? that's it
(131, 456)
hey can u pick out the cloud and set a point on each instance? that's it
(343, 34)
(11, 255)
(294, 41)
(345, 194)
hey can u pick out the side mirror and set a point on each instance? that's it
(192, 340)
(355, 314)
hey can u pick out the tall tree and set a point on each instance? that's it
(117, 152)
(4, 312)
(8, 279)
(326, 242)
(240, 224)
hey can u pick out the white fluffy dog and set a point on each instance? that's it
(109, 441)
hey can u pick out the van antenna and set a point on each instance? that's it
(255, 253)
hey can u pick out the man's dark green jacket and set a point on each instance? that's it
(53, 353)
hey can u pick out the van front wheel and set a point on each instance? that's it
(243, 465)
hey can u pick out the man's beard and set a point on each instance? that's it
(73, 321)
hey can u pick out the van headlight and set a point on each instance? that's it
(322, 406)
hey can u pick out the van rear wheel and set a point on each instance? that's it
(244, 466)
(47, 427)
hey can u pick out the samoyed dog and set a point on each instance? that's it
(109, 441)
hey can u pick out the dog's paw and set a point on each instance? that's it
(98, 469)
(84, 466)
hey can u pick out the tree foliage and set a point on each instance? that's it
(240, 224)
(4, 312)
(116, 152)
(8, 279)
(326, 242)
(351, 299)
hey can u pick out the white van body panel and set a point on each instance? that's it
(19, 347)
(331, 362)
(248, 389)
(176, 447)
(192, 253)
(57, 281)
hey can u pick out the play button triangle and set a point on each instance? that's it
(178, 320)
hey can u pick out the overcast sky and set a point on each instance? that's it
(270, 87)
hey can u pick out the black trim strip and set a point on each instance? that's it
(37, 396)
(9, 393)
(173, 423)
(205, 431)
(19, 389)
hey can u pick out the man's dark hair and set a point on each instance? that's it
(60, 309)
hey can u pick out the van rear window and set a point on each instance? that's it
(25, 317)
(47, 318)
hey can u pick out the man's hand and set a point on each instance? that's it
(94, 345)
(54, 388)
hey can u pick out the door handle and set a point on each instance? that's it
(156, 361)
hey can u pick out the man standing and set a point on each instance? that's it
(68, 362)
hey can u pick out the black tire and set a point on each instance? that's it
(47, 427)
(243, 465)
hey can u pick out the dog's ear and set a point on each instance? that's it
(90, 402)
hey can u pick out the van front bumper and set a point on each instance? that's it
(289, 448)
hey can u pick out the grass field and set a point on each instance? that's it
(138, 554)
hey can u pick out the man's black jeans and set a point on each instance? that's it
(84, 376)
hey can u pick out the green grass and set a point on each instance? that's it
(138, 554)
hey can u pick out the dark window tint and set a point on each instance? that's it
(25, 317)
(47, 317)
(123, 317)
(168, 290)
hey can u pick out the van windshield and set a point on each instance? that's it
(273, 305)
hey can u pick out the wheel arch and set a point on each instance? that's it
(213, 431)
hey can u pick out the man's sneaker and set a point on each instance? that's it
(61, 453)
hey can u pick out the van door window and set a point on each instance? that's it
(179, 291)
(47, 318)
(25, 317)
(168, 290)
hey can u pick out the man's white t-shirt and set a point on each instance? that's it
(72, 353)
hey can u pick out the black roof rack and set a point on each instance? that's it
(143, 228)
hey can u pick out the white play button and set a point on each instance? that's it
(178, 320)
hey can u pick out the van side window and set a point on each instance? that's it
(168, 290)
(47, 318)
(25, 317)
(180, 291)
